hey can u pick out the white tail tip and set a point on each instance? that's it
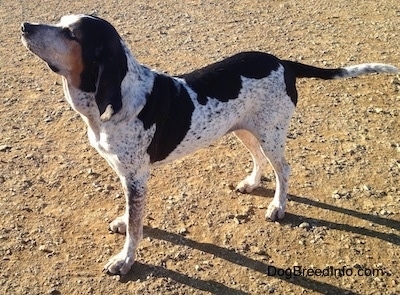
(368, 68)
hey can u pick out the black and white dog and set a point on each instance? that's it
(137, 117)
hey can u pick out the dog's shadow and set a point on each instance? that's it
(295, 220)
(142, 271)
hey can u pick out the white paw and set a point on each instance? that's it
(247, 185)
(274, 212)
(120, 264)
(118, 225)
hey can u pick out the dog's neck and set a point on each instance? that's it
(136, 85)
(138, 78)
(84, 104)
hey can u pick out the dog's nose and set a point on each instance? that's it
(26, 28)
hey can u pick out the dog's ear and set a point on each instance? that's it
(105, 64)
(112, 69)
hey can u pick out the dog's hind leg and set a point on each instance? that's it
(273, 145)
(270, 146)
(252, 181)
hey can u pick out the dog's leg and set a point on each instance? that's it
(252, 181)
(276, 209)
(119, 224)
(273, 144)
(135, 201)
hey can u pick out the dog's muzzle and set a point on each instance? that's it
(27, 31)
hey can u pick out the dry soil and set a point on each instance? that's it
(342, 224)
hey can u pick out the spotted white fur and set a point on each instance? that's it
(259, 115)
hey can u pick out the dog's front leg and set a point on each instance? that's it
(135, 193)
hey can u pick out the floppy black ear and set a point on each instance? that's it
(105, 64)
(108, 90)
(112, 70)
(111, 59)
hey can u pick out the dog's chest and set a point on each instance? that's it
(100, 143)
(123, 145)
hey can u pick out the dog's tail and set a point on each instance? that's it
(305, 71)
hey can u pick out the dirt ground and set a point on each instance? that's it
(342, 227)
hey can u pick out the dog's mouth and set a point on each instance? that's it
(53, 68)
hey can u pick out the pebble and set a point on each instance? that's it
(305, 225)
(384, 212)
(43, 248)
(198, 267)
(4, 148)
(182, 231)
(258, 250)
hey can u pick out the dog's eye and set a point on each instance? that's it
(69, 33)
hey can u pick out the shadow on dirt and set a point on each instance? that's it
(295, 220)
(369, 217)
(142, 271)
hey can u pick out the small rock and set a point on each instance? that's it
(384, 212)
(305, 225)
(182, 231)
(258, 250)
(237, 220)
(336, 196)
(4, 148)
(198, 267)
(43, 248)
(341, 195)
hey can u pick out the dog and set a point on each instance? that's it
(138, 118)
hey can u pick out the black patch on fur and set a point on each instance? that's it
(169, 107)
(105, 62)
(290, 82)
(222, 80)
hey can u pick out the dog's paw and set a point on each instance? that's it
(120, 264)
(247, 185)
(274, 212)
(118, 225)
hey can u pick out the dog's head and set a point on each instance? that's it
(87, 51)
